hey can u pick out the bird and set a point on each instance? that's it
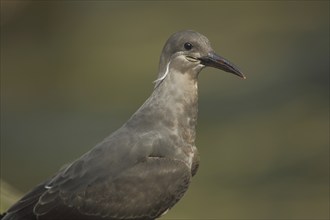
(144, 168)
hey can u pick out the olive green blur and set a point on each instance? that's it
(74, 71)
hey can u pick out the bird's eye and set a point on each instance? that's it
(188, 46)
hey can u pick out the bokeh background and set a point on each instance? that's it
(74, 71)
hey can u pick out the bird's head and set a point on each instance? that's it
(189, 52)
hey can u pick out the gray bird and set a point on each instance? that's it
(142, 169)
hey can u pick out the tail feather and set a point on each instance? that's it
(2, 215)
(23, 209)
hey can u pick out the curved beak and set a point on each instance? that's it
(216, 61)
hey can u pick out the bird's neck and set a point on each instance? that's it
(175, 99)
(172, 108)
(179, 94)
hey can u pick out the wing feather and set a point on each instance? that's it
(143, 191)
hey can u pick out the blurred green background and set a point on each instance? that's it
(72, 72)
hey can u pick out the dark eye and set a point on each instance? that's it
(188, 46)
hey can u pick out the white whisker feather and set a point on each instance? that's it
(160, 79)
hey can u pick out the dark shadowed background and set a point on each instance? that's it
(72, 72)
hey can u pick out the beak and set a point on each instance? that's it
(216, 61)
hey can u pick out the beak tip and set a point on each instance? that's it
(239, 73)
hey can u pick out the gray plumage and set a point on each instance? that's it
(142, 169)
